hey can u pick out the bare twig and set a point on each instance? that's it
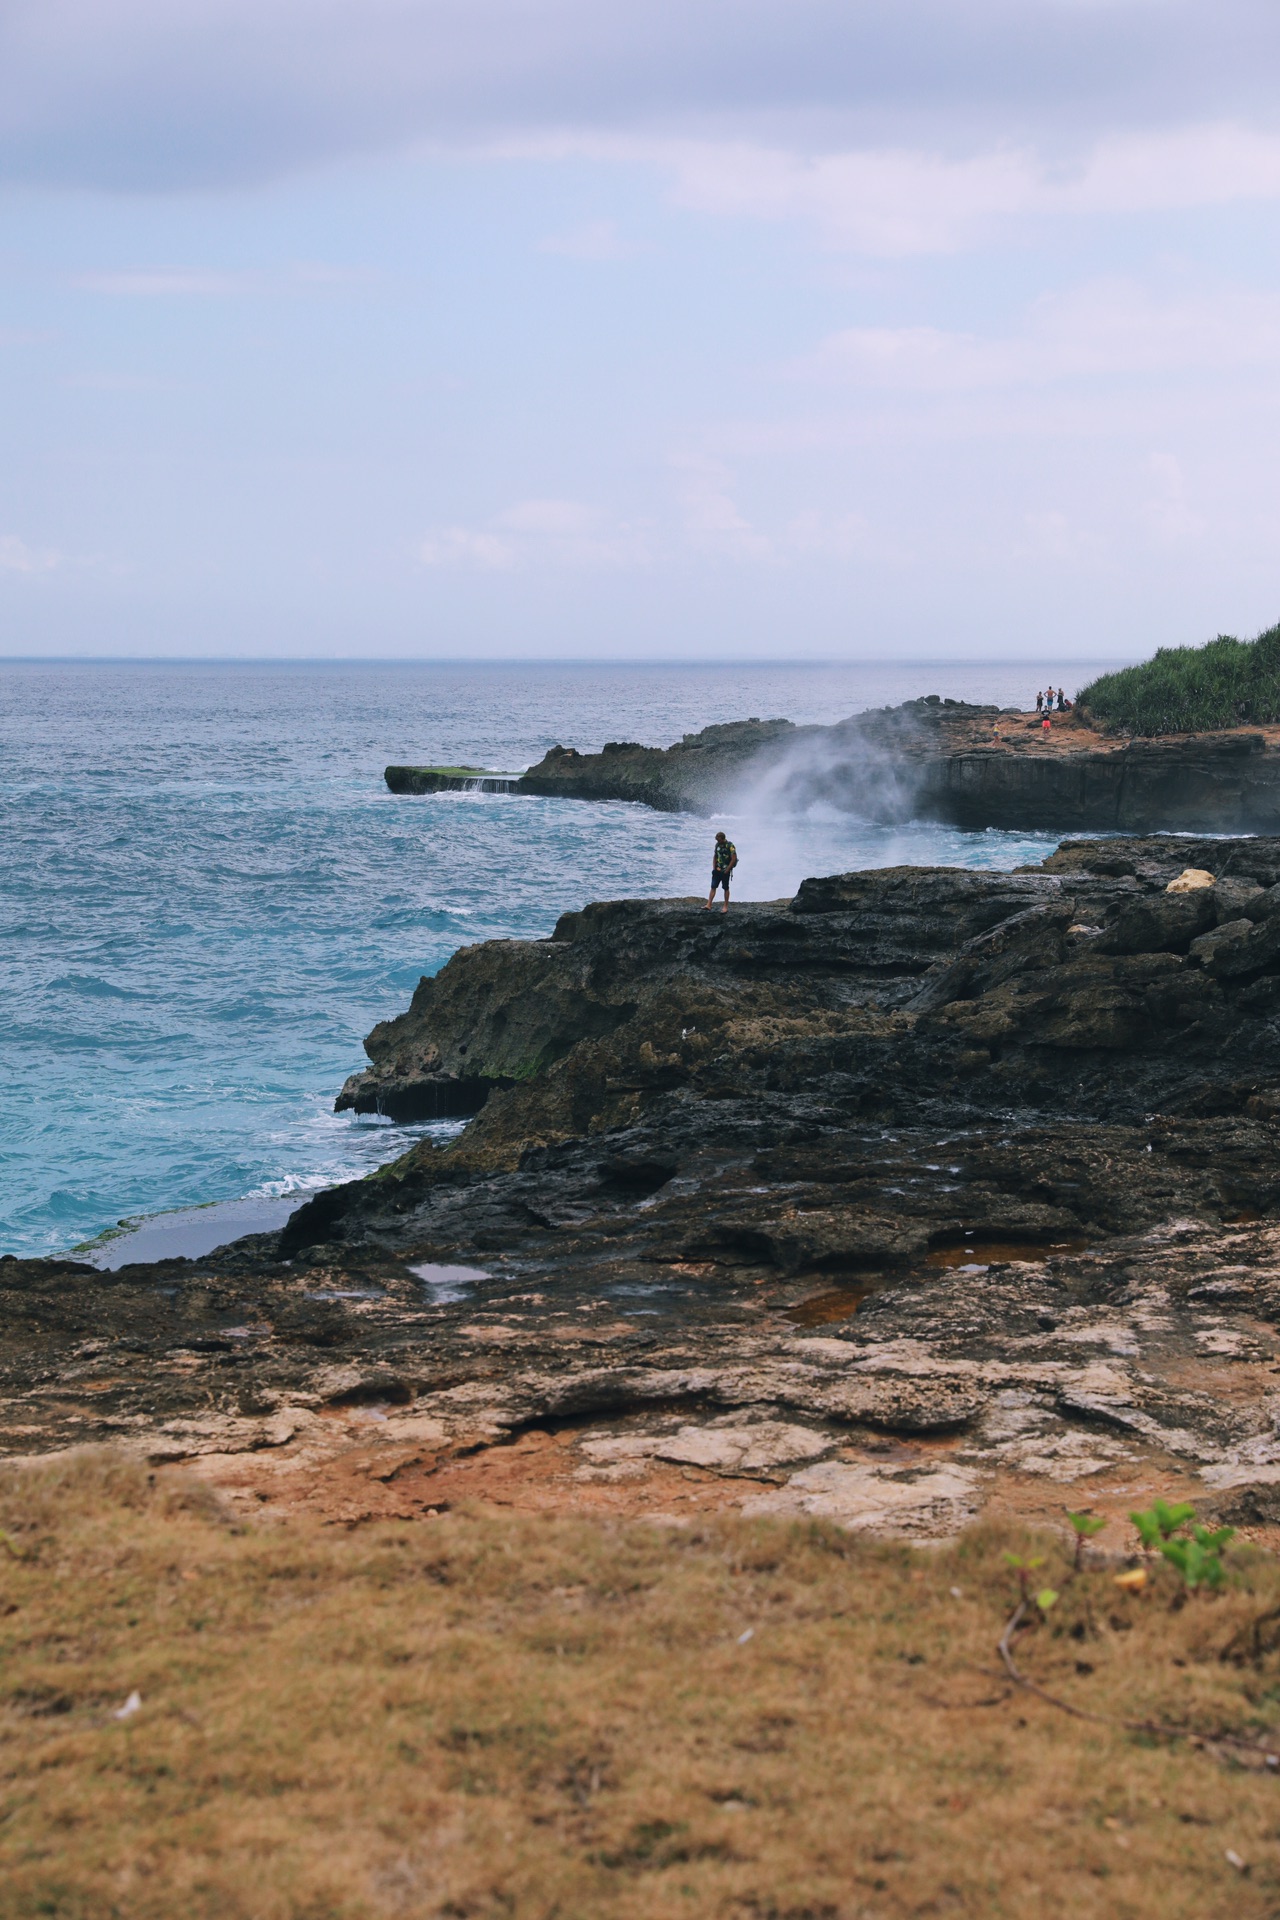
(1228, 1742)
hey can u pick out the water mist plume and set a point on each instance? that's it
(861, 766)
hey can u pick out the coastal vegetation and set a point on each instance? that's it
(1226, 683)
(492, 1714)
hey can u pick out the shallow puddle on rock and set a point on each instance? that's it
(188, 1232)
(445, 1284)
(975, 1256)
(824, 1309)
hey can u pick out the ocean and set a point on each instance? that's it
(208, 896)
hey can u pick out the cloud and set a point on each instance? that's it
(1053, 535)
(833, 534)
(1167, 511)
(593, 240)
(143, 94)
(1104, 327)
(160, 283)
(468, 547)
(556, 533)
(713, 521)
(17, 557)
(708, 520)
(898, 201)
(163, 283)
(879, 202)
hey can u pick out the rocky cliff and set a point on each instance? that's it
(972, 767)
(923, 1189)
(897, 968)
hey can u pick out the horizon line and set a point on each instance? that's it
(519, 660)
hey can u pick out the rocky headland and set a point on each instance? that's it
(931, 759)
(925, 1191)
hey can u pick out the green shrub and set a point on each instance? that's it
(1227, 683)
(1194, 1550)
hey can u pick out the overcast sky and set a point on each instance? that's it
(728, 328)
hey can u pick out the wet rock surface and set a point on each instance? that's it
(874, 1204)
(934, 759)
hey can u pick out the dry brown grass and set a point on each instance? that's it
(538, 1718)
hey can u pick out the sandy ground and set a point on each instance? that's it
(1018, 732)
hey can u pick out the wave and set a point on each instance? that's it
(94, 987)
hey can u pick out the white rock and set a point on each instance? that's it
(1233, 1474)
(872, 1499)
(751, 1449)
(721, 1449)
(419, 1428)
(1229, 1343)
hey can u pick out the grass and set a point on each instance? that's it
(469, 773)
(1227, 683)
(547, 1719)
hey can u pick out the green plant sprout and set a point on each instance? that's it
(1160, 1522)
(1199, 1559)
(1194, 1550)
(1024, 1569)
(1047, 1596)
(1086, 1525)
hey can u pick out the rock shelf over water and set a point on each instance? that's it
(926, 1190)
(929, 759)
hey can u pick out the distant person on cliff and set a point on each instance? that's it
(1039, 703)
(723, 862)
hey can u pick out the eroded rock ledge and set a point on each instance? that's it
(969, 766)
(925, 1188)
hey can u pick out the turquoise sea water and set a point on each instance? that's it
(207, 895)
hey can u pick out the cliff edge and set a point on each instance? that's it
(932, 759)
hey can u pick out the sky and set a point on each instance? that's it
(728, 329)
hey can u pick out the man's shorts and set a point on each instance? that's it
(719, 879)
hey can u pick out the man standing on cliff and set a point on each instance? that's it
(723, 862)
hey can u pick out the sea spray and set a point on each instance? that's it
(846, 768)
